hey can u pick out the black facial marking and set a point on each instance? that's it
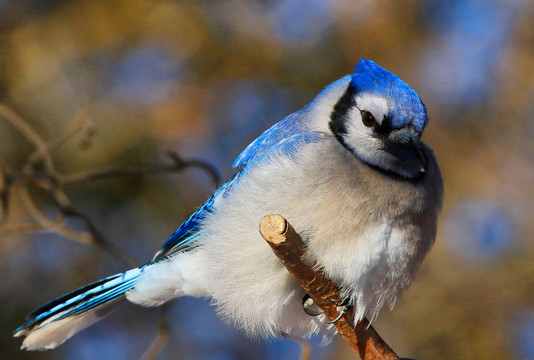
(337, 117)
(383, 128)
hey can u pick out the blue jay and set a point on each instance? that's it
(352, 176)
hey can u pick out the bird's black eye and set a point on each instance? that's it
(368, 119)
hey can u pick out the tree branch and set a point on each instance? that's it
(154, 349)
(178, 164)
(31, 136)
(289, 248)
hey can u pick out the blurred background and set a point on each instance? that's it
(120, 82)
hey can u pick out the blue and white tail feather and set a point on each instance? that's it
(53, 323)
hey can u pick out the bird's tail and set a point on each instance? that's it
(50, 325)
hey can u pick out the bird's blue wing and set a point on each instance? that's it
(288, 147)
(184, 237)
(284, 129)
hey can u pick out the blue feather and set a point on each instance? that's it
(183, 238)
(82, 299)
(409, 108)
(288, 147)
(284, 129)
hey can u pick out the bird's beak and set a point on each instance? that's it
(404, 145)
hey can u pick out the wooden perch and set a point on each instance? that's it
(289, 248)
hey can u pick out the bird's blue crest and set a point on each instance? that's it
(408, 107)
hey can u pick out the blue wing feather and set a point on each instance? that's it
(288, 147)
(183, 238)
(289, 126)
(288, 142)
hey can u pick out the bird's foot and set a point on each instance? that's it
(342, 309)
(310, 307)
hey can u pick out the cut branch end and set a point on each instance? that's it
(273, 228)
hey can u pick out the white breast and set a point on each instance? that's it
(349, 228)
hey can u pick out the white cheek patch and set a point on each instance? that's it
(359, 138)
(375, 104)
(355, 127)
(321, 107)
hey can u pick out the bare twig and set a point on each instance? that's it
(100, 240)
(208, 168)
(78, 124)
(27, 131)
(45, 223)
(113, 171)
(4, 194)
(289, 248)
(161, 339)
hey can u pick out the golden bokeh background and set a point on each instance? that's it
(130, 79)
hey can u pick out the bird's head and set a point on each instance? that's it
(380, 119)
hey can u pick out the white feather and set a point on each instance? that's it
(371, 247)
(376, 104)
(317, 113)
(181, 276)
(56, 332)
